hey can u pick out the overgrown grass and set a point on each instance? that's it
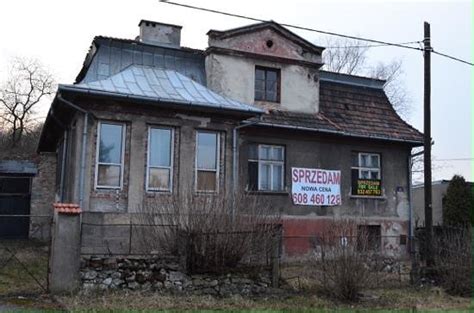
(382, 300)
(17, 258)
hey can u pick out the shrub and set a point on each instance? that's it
(343, 261)
(452, 248)
(212, 232)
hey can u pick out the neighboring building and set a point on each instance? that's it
(15, 197)
(147, 118)
(439, 189)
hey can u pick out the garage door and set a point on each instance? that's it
(14, 202)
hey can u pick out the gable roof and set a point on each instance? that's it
(349, 109)
(265, 25)
(156, 84)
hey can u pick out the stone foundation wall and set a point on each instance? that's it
(165, 275)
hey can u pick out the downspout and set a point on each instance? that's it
(410, 205)
(235, 158)
(83, 148)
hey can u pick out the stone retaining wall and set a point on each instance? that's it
(165, 275)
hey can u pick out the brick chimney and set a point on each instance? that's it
(160, 34)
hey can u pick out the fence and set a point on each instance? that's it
(24, 255)
(249, 248)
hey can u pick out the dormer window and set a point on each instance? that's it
(267, 84)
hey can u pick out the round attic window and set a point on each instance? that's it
(269, 43)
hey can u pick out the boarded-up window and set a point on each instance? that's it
(369, 237)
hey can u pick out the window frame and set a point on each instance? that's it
(170, 167)
(360, 168)
(218, 161)
(122, 157)
(278, 81)
(260, 162)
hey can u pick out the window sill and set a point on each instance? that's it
(368, 197)
(265, 192)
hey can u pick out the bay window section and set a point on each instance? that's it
(160, 159)
(207, 161)
(266, 168)
(110, 151)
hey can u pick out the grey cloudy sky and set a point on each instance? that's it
(59, 33)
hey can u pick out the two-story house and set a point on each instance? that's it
(147, 118)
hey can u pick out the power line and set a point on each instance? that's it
(455, 159)
(372, 46)
(379, 42)
(291, 26)
(451, 57)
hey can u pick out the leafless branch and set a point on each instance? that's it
(27, 85)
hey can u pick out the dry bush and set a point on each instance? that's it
(452, 248)
(212, 232)
(343, 260)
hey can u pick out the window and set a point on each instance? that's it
(160, 159)
(109, 164)
(267, 84)
(367, 164)
(266, 167)
(369, 237)
(366, 174)
(207, 161)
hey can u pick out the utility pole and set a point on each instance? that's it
(427, 146)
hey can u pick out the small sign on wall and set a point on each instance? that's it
(312, 186)
(368, 187)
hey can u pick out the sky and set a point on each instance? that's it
(59, 34)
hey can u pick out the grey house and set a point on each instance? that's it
(147, 118)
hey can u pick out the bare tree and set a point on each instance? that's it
(350, 57)
(28, 83)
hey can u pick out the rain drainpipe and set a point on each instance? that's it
(410, 205)
(83, 148)
(235, 159)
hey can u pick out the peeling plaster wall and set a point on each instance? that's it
(390, 212)
(133, 195)
(233, 75)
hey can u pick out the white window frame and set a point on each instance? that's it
(122, 158)
(370, 169)
(218, 162)
(272, 163)
(148, 166)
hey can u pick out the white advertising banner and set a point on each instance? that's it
(312, 186)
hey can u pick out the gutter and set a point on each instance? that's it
(410, 206)
(336, 132)
(195, 105)
(83, 148)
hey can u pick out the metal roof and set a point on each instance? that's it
(18, 167)
(109, 56)
(156, 84)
